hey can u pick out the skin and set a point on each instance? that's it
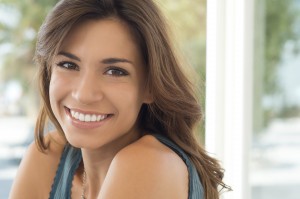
(119, 163)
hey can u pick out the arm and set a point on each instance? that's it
(36, 172)
(146, 169)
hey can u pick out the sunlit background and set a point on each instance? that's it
(273, 168)
(275, 150)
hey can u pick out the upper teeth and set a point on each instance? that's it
(87, 117)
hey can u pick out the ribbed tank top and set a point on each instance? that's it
(71, 158)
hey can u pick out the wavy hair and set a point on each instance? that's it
(175, 111)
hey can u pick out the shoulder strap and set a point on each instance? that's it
(195, 186)
(69, 162)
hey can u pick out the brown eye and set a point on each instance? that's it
(116, 72)
(68, 65)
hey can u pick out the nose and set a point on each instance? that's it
(87, 89)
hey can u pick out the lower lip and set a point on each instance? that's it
(85, 125)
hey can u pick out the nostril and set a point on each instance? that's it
(87, 96)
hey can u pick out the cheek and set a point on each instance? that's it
(53, 95)
(129, 99)
(53, 87)
(57, 90)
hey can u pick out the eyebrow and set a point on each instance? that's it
(69, 55)
(111, 60)
(115, 60)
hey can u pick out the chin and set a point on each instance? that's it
(80, 142)
(75, 141)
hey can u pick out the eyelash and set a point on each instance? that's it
(71, 66)
(120, 72)
(112, 70)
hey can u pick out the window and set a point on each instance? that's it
(275, 149)
(252, 120)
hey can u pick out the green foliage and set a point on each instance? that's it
(187, 20)
(275, 22)
(18, 63)
(280, 17)
(289, 112)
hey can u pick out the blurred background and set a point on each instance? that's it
(274, 165)
(275, 150)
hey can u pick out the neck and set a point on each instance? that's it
(96, 163)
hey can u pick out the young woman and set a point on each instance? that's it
(124, 111)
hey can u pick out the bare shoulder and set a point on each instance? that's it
(146, 169)
(37, 170)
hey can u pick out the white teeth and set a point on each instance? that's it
(94, 118)
(87, 117)
(76, 115)
(81, 117)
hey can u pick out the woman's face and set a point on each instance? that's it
(98, 85)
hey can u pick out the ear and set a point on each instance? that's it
(148, 96)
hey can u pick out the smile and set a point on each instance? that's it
(87, 117)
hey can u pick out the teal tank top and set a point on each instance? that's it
(71, 158)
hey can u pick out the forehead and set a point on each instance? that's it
(105, 37)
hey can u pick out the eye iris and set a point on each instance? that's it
(115, 72)
(67, 65)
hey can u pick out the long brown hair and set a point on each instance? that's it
(175, 111)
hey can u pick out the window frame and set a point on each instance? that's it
(229, 84)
